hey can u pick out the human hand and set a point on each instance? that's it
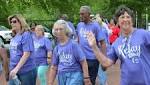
(13, 73)
(91, 39)
(87, 81)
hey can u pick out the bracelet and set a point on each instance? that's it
(87, 77)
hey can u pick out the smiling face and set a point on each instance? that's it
(125, 17)
(125, 22)
(84, 14)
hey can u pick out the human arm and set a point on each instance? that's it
(22, 61)
(4, 55)
(80, 57)
(49, 54)
(52, 75)
(105, 62)
(53, 67)
(85, 73)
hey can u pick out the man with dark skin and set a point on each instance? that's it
(87, 25)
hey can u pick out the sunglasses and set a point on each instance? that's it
(14, 21)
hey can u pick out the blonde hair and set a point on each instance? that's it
(21, 20)
(40, 27)
(65, 26)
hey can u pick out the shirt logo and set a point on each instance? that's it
(36, 45)
(13, 47)
(83, 33)
(65, 58)
(131, 52)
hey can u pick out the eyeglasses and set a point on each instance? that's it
(13, 21)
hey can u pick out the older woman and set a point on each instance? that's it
(21, 48)
(68, 59)
(42, 53)
(132, 48)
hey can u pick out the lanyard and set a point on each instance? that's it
(126, 42)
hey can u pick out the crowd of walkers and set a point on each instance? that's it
(80, 55)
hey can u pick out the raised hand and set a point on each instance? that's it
(91, 39)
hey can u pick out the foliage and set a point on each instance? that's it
(49, 10)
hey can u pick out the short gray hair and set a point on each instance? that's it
(64, 24)
(87, 8)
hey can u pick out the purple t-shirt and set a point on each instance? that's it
(42, 45)
(68, 57)
(134, 54)
(19, 44)
(72, 29)
(96, 29)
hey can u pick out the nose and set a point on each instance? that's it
(81, 16)
(125, 18)
(58, 31)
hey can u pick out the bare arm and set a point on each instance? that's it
(52, 75)
(4, 55)
(85, 73)
(23, 60)
(20, 64)
(49, 54)
(85, 68)
(106, 62)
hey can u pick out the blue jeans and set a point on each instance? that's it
(102, 76)
(70, 78)
(28, 78)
